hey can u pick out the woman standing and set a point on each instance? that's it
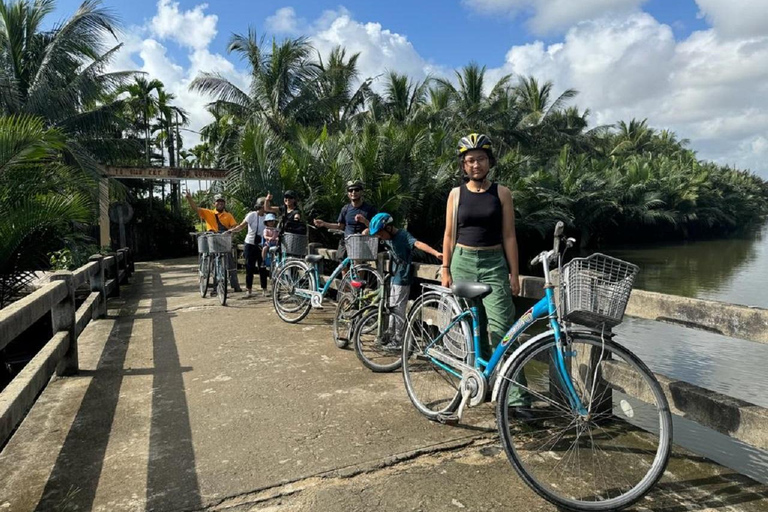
(290, 214)
(479, 243)
(252, 248)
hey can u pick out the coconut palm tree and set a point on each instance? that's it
(40, 198)
(142, 107)
(58, 75)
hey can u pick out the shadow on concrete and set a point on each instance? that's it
(723, 491)
(172, 476)
(75, 475)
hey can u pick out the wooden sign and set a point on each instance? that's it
(166, 173)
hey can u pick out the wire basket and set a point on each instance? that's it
(293, 244)
(362, 247)
(448, 308)
(202, 244)
(219, 242)
(595, 290)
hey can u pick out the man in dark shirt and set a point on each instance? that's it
(349, 217)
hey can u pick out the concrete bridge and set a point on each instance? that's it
(181, 404)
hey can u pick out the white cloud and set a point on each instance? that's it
(193, 28)
(284, 21)
(380, 50)
(736, 18)
(706, 89)
(551, 15)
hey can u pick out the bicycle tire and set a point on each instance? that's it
(289, 306)
(379, 351)
(204, 275)
(221, 278)
(342, 321)
(613, 417)
(431, 389)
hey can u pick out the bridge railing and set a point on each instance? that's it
(736, 418)
(56, 299)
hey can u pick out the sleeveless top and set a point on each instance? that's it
(479, 219)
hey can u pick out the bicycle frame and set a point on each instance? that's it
(546, 307)
(327, 284)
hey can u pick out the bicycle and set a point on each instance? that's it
(219, 245)
(203, 265)
(297, 287)
(590, 427)
(292, 247)
(377, 330)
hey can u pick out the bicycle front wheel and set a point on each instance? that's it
(204, 274)
(221, 279)
(292, 306)
(432, 385)
(378, 339)
(605, 457)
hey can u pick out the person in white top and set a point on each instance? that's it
(252, 248)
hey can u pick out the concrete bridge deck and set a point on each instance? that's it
(182, 404)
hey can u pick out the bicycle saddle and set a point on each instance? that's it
(313, 258)
(274, 249)
(470, 290)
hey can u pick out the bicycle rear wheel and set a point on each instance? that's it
(342, 321)
(606, 459)
(432, 387)
(377, 346)
(290, 306)
(204, 274)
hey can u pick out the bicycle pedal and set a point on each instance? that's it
(448, 419)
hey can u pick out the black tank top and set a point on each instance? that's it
(479, 217)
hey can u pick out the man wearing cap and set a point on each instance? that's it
(351, 214)
(218, 220)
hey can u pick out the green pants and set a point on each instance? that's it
(497, 310)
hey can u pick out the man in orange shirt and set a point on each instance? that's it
(218, 220)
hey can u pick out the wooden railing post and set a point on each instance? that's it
(98, 284)
(63, 319)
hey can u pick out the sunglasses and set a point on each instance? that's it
(354, 190)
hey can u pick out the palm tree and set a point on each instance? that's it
(40, 198)
(58, 75)
(280, 88)
(142, 106)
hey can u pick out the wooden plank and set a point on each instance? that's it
(19, 396)
(19, 316)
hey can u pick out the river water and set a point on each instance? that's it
(733, 271)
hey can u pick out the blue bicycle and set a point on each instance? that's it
(583, 421)
(298, 286)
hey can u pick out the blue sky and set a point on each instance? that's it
(699, 67)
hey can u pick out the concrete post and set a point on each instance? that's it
(63, 319)
(116, 274)
(104, 239)
(589, 374)
(98, 284)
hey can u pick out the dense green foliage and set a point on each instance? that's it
(303, 125)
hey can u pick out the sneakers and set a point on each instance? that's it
(248, 292)
(264, 292)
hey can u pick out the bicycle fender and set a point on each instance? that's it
(535, 339)
(510, 359)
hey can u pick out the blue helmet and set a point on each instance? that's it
(379, 221)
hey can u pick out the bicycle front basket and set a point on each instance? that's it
(294, 245)
(219, 242)
(362, 247)
(202, 244)
(595, 290)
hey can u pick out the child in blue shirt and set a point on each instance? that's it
(401, 242)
